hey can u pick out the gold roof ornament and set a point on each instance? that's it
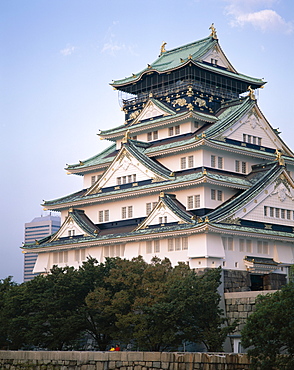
(81, 163)
(162, 49)
(251, 93)
(213, 31)
(126, 137)
(206, 219)
(279, 157)
(161, 194)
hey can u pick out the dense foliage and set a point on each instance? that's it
(150, 306)
(269, 331)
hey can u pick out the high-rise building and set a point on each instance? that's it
(195, 173)
(35, 230)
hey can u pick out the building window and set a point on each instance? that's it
(183, 163)
(193, 201)
(177, 244)
(93, 179)
(130, 211)
(277, 212)
(149, 136)
(124, 212)
(241, 245)
(170, 245)
(162, 220)
(149, 246)
(103, 216)
(177, 130)
(237, 166)
(244, 167)
(212, 161)
(114, 250)
(219, 195)
(213, 197)
(191, 161)
(71, 232)
(150, 206)
(155, 244)
(228, 243)
(220, 162)
(248, 246)
(60, 257)
(262, 247)
(170, 131)
(252, 139)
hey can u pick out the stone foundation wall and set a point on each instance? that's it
(45, 360)
(240, 305)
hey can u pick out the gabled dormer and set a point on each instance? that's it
(269, 200)
(152, 109)
(76, 224)
(216, 57)
(130, 166)
(167, 211)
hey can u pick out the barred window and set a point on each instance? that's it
(219, 195)
(244, 167)
(212, 161)
(213, 196)
(156, 246)
(155, 135)
(124, 212)
(93, 179)
(130, 211)
(177, 130)
(220, 161)
(190, 161)
(183, 163)
(184, 243)
(149, 246)
(170, 245)
(237, 166)
(170, 131)
(177, 244)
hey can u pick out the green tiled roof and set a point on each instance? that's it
(235, 181)
(176, 58)
(231, 206)
(101, 158)
(177, 208)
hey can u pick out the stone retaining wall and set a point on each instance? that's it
(45, 360)
(240, 305)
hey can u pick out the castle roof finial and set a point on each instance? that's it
(213, 31)
(162, 49)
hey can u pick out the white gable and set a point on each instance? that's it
(124, 169)
(151, 110)
(68, 228)
(253, 128)
(217, 57)
(162, 214)
(274, 205)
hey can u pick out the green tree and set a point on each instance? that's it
(269, 331)
(6, 287)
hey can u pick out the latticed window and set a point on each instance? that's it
(93, 179)
(237, 166)
(220, 161)
(130, 211)
(156, 246)
(149, 246)
(244, 167)
(170, 245)
(184, 243)
(219, 195)
(124, 212)
(190, 161)
(213, 194)
(155, 135)
(177, 244)
(212, 161)
(177, 130)
(170, 131)
(183, 163)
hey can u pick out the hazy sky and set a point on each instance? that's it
(57, 58)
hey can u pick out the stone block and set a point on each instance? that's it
(151, 356)
(111, 365)
(101, 356)
(135, 356)
(99, 365)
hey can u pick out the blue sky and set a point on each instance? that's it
(57, 58)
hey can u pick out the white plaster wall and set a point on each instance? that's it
(174, 162)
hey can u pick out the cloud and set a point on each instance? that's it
(112, 47)
(245, 12)
(68, 50)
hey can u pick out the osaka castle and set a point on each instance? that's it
(193, 173)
